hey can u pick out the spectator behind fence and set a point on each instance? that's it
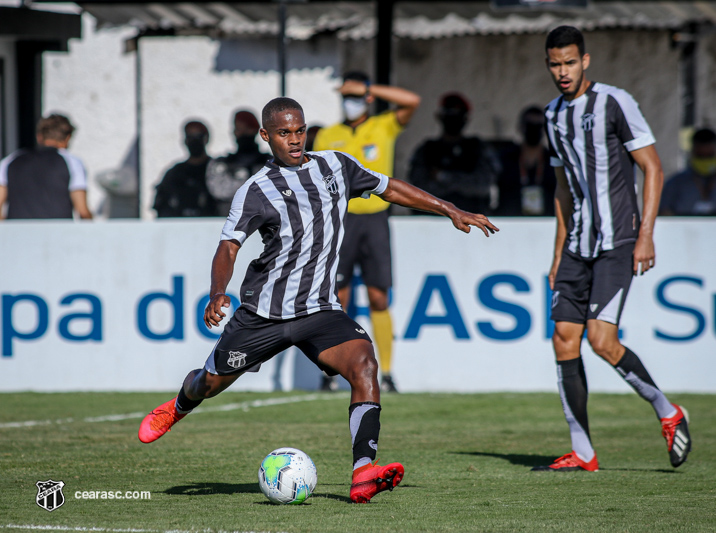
(226, 174)
(47, 181)
(371, 140)
(462, 170)
(692, 192)
(182, 192)
(527, 182)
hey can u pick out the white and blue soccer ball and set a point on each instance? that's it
(287, 475)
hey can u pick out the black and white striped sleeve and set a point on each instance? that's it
(361, 181)
(629, 122)
(247, 214)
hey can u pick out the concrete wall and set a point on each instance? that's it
(196, 77)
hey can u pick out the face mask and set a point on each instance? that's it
(533, 133)
(245, 141)
(453, 121)
(354, 108)
(704, 166)
(195, 145)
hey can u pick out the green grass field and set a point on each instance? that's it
(467, 460)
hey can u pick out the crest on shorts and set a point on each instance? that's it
(331, 183)
(49, 494)
(588, 121)
(555, 299)
(236, 359)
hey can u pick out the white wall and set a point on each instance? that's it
(91, 277)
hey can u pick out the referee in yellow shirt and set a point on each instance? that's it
(371, 140)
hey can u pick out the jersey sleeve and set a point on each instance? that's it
(629, 123)
(247, 214)
(78, 174)
(361, 181)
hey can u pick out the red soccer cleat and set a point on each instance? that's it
(676, 432)
(570, 463)
(371, 479)
(159, 421)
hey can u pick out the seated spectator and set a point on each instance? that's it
(462, 170)
(692, 192)
(226, 174)
(527, 182)
(182, 192)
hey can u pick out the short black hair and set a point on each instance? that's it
(563, 36)
(278, 105)
(356, 75)
(704, 136)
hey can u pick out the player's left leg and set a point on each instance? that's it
(612, 279)
(354, 360)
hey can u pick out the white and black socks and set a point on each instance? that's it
(364, 421)
(632, 370)
(572, 383)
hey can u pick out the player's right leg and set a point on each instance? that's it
(573, 391)
(198, 385)
(248, 340)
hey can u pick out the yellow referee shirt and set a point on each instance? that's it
(372, 143)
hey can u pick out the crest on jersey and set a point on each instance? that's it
(236, 359)
(331, 183)
(49, 494)
(588, 121)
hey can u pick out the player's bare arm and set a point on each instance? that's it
(402, 193)
(3, 199)
(644, 253)
(79, 203)
(222, 268)
(563, 210)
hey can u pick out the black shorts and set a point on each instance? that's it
(249, 339)
(597, 288)
(366, 243)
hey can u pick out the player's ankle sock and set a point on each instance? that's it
(364, 421)
(572, 382)
(184, 404)
(632, 370)
(383, 337)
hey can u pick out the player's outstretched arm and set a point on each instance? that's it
(222, 268)
(402, 193)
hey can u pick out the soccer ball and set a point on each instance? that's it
(287, 475)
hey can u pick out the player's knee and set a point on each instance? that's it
(364, 367)
(565, 343)
(603, 345)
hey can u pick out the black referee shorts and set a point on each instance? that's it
(366, 243)
(587, 289)
(249, 340)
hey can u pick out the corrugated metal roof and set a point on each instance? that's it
(413, 20)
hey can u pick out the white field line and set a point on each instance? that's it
(243, 406)
(36, 527)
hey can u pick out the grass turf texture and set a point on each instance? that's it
(467, 460)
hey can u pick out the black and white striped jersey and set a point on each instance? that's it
(591, 137)
(299, 213)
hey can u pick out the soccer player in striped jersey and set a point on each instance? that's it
(297, 202)
(597, 134)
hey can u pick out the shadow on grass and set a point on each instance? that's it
(537, 460)
(206, 489)
(514, 458)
